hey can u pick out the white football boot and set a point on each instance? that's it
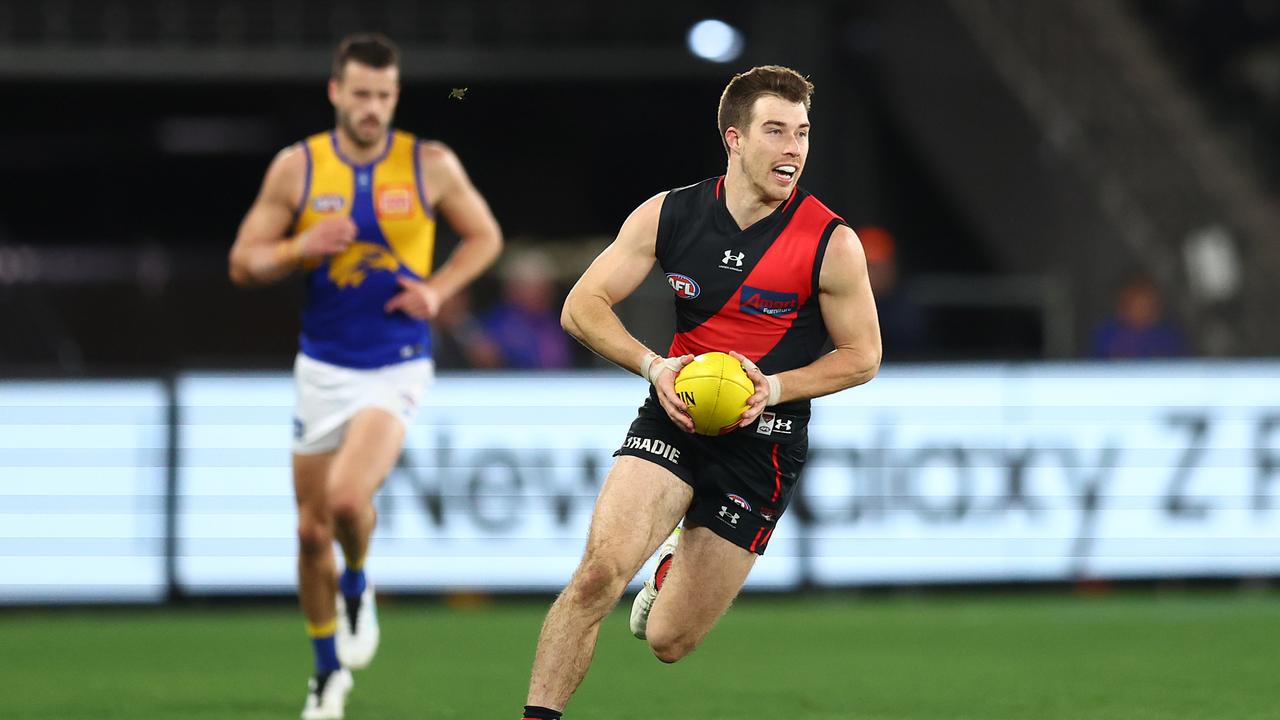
(328, 701)
(357, 645)
(644, 599)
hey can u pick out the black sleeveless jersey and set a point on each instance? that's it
(754, 290)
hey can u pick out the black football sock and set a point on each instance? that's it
(535, 712)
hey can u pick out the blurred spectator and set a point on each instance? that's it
(1138, 329)
(525, 324)
(458, 340)
(903, 327)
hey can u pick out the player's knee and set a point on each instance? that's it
(314, 536)
(670, 647)
(348, 508)
(596, 583)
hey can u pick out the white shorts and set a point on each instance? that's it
(330, 395)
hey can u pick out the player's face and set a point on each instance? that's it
(775, 146)
(365, 101)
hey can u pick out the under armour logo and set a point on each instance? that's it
(782, 426)
(731, 257)
(729, 517)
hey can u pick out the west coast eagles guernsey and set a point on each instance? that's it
(343, 321)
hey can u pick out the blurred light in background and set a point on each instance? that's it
(715, 40)
(1213, 264)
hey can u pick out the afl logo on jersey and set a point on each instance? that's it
(686, 288)
(328, 203)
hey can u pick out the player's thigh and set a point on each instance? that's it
(368, 452)
(639, 505)
(310, 479)
(705, 576)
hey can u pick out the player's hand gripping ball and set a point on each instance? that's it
(715, 388)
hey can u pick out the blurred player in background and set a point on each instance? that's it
(759, 268)
(1139, 327)
(354, 208)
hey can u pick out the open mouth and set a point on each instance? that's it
(785, 173)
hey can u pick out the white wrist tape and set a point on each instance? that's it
(775, 385)
(651, 369)
(646, 362)
(775, 390)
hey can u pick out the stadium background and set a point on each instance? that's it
(1004, 524)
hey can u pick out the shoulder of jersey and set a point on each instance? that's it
(692, 186)
(810, 197)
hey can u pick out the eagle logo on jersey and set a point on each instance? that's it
(685, 287)
(352, 266)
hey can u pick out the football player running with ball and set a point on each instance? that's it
(760, 269)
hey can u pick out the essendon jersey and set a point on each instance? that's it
(754, 290)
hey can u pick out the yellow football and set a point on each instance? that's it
(715, 388)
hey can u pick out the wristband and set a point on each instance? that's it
(654, 371)
(775, 390)
(775, 385)
(646, 362)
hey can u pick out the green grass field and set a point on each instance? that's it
(987, 657)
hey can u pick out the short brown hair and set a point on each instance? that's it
(740, 94)
(373, 49)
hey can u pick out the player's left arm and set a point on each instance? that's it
(849, 312)
(480, 238)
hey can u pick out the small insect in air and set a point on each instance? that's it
(457, 93)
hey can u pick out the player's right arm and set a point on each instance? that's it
(263, 252)
(588, 310)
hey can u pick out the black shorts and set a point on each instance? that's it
(742, 481)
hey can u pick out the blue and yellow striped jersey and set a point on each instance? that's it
(343, 322)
